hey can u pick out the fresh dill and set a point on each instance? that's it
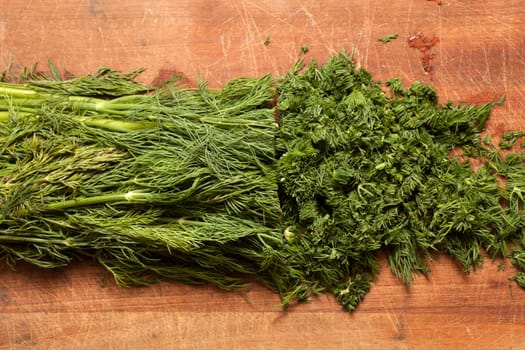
(361, 173)
(388, 38)
(177, 183)
(206, 185)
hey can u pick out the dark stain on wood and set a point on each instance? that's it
(424, 44)
(167, 74)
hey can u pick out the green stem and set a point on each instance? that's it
(26, 110)
(116, 125)
(15, 95)
(17, 102)
(17, 90)
(100, 123)
(25, 239)
(96, 105)
(129, 197)
(4, 115)
(229, 123)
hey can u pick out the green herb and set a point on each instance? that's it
(388, 38)
(178, 183)
(510, 138)
(267, 41)
(362, 173)
(202, 185)
(501, 100)
(305, 49)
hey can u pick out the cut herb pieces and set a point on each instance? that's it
(362, 172)
(388, 38)
(510, 138)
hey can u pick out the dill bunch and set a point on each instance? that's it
(174, 182)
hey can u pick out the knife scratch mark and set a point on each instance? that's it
(504, 74)
(394, 320)
(408, 29)
(2, 32)
(87, 332)
(487, 63)
(225, 40)
(12, 333)
(252, 37)
(440, 47)
(273, 15)
(102, 38)
(321, 33)
(147, 12)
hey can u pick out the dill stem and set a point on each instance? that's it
(20, 102)
(17, 91)
(116, 125)
(18, 96)
(48, 241)
(100, 123)
(275, 239)
(130, 197)
(98, 105)
(231, 123)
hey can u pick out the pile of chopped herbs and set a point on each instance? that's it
(303, 193)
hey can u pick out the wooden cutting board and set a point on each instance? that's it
(471, 51)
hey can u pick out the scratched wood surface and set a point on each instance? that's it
(478, 55)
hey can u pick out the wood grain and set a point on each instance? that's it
(479, 57)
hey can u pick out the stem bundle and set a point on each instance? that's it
(177, 183)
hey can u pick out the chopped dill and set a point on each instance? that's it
(388, 38)
(363, 173)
